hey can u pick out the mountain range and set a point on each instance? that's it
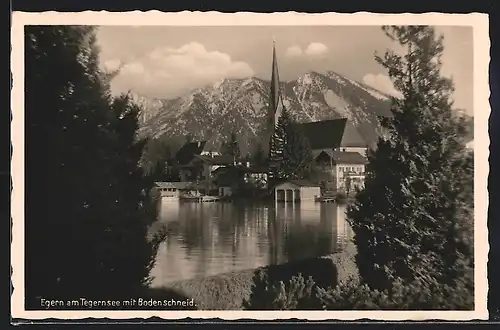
(212, 113)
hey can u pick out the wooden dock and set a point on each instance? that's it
(200, 199)
(325, 199)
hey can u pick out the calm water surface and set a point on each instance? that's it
(205, 239)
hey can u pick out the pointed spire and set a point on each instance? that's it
(275, 87)
(275, 106)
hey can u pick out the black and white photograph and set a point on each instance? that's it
(255, 166)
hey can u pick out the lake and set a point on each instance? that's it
(204, 239)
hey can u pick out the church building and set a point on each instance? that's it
(275, 105)
(339, 151)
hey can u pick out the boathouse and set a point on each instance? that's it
(296, 191)
(171, 189)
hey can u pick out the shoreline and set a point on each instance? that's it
(231, 290)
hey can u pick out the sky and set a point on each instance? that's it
(170, 61)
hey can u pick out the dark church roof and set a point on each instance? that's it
(329, 134)
(187, 152)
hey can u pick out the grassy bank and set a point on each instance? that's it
(235, 290)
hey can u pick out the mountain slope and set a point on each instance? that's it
(240, 105)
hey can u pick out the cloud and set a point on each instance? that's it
(381, 82)
(293, 51)
(316, 48)
(313, 49)
(112, 65)
(169, 72)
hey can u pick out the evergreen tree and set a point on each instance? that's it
(297, 153)
(232, 147)
(290, 154)
(258, 156)
(87, 234)
(127, 253)
(189, 138)
(158, 159)
(277, 147)
(413, 220)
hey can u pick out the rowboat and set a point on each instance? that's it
(199, 199)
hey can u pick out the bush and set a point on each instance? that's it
(416, 295)
(301, 294)
(341, 196)
(296, 294)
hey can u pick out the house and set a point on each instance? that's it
(333, 135)
(210, 153)
(238, 178)
(343, 169)
(172, 190)
(296, 191)
(201, 168)
(339, 154)
(184, 157)
(256, 177)
(229, 179)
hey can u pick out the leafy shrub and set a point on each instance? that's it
(296, 294)
(301, 294)
(341, 196)
(416, 295)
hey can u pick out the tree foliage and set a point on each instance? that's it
(158, 158)
(301, 294)
(413, 220)
(231, 147)
(290, 153)
(86, 235)
(258, 156)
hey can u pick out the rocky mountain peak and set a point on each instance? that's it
(240, 105)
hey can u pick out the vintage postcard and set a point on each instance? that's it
(250, 166)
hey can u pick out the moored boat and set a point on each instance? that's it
(199, 199)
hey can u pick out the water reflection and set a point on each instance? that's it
(210, 238)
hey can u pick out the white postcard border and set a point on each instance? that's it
(481, 43)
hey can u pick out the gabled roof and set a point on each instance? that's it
(329, 134)
(227, 176)
(322, 152)
(343, 157)
(240, 169)
(298, 183)
(217, 160)
(176, 185)
(186, 153)
(255, 169)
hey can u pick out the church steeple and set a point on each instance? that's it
(275, 101)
